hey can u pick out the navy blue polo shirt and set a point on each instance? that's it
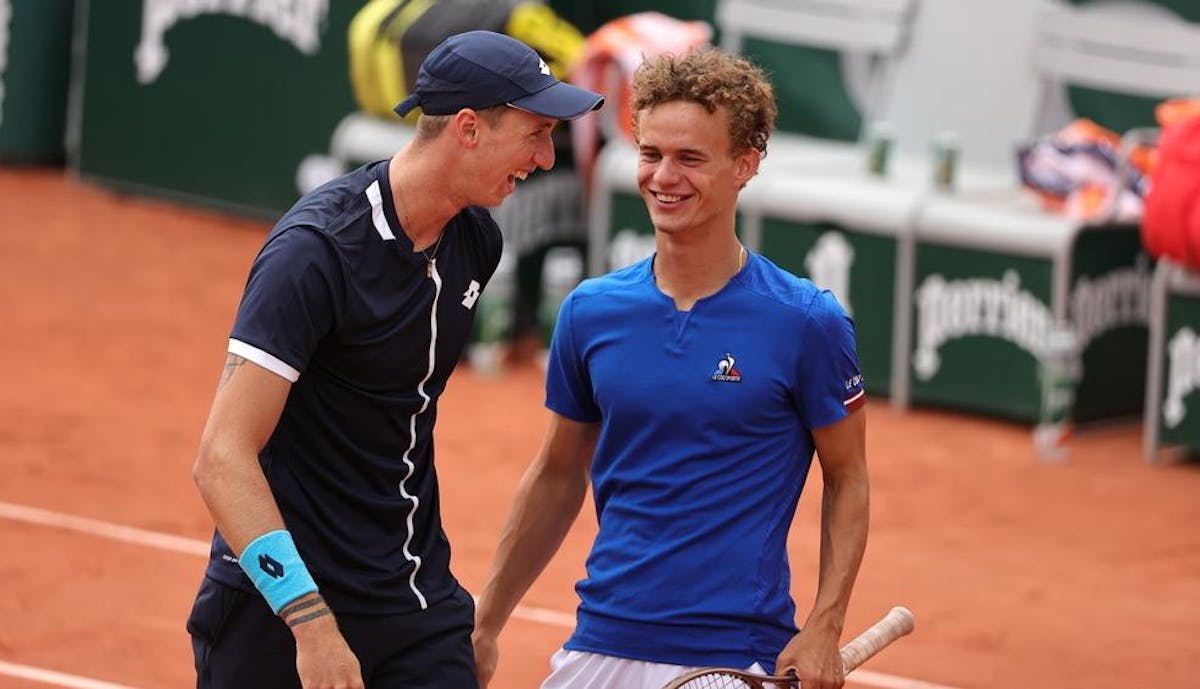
(338, 303)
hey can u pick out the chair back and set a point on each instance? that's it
(868, 26)
(830, 60)
(1136, 56)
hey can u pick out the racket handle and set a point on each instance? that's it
(897, 623)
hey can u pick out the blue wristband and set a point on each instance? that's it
(273, 564)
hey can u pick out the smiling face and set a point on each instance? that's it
(687, 174)
(508, 147)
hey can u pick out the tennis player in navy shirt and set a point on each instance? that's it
(692, 389)
(329, 565)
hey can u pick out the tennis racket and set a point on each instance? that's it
(894, 625)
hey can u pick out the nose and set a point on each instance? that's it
(544, 156)
(665, 173)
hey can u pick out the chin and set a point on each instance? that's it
(491, 200)
(669, 224)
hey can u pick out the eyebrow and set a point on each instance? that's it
(682, 151)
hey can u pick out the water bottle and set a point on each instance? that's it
(945, 160)
(494, 318)
(561, 272)
(1059, 370)
(879, 147)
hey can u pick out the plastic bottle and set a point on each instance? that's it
(879, 147)
(945, 160)
(1059, 370)
(494, 318)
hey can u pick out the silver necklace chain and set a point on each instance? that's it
(424, 252)
(429, 257)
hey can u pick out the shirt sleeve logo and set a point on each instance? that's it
(471, 294)
(856, 396)
(726, 372)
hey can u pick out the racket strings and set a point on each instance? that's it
(727, 680)
(717, 680)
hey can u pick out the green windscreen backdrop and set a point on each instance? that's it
(35, 61)
(212, 105)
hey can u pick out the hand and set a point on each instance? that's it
(814, 659)
(323, 658)
(487, 656)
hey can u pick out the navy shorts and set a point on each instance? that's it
(238, 642)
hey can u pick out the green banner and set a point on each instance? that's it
(35, 65)
(858, 268)
(1109, 309)
(979, 321)
(1179, 420)
(216, 102)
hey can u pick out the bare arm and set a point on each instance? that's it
(546, 503)
(845, 506)
(245, 411)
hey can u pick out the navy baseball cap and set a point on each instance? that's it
(481, 69)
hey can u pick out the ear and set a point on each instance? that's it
(466, 126)
(746, 166)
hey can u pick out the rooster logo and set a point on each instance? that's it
(726, 371)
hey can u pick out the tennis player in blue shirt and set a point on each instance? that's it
(692, 388)
(329, 566)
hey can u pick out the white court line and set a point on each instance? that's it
(193, 546)
(114, 532)
(58, 679)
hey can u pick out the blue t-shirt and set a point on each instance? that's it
(705, 442)
(338, 303)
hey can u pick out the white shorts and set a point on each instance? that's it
(582, 670)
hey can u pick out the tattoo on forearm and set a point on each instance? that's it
(308, 617)
(232, 362)
(302, 605)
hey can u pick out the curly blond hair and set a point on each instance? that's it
(711, 78)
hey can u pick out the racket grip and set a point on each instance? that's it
(897, 623)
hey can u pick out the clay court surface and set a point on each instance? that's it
(1084, 574)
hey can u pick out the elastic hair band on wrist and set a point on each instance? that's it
(274, 565)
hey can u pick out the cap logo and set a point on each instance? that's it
(543, 67)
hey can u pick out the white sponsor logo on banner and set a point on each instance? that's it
(296, 21)
(1183, 374)
(828, 264)
(1116, 298)
(951, 309)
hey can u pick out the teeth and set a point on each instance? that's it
(668, 198)
(520, 175)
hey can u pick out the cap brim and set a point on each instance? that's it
(561, 100)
